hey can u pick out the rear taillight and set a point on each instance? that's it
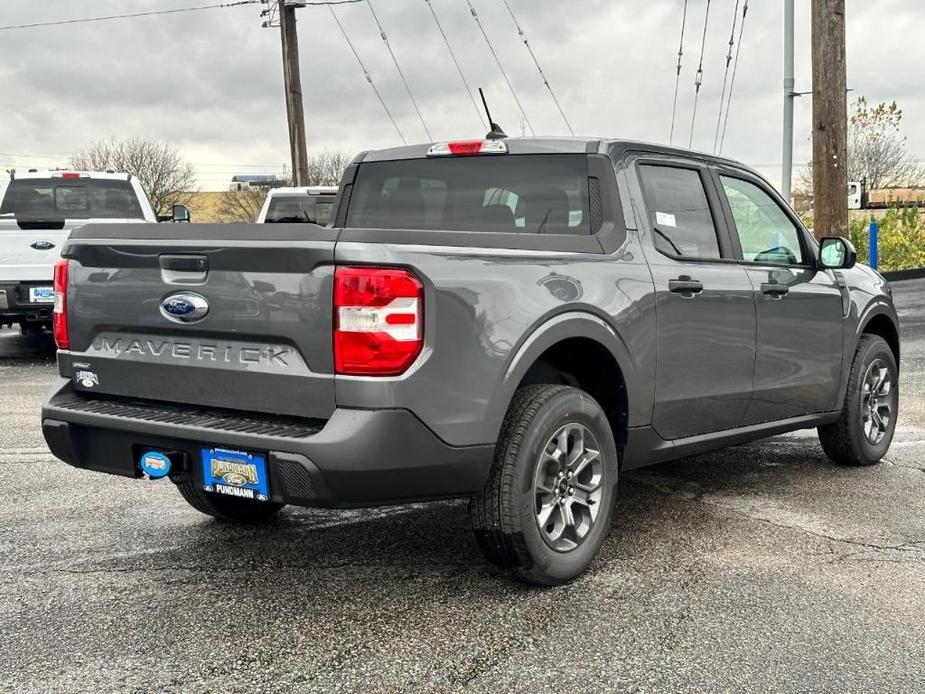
(378, 320)
(59, 317)
(67, 175)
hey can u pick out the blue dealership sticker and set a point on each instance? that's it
(155, 464)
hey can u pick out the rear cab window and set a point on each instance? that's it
(679, 212)
(315, 209)
(524, 194)
(78, 198)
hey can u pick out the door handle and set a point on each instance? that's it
(184, 263)
(774, 289)
(685, 286)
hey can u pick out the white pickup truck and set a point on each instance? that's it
(313, 204)
(38, 209)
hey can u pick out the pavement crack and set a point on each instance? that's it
(695, 494)
(331, 566)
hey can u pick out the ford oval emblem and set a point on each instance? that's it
(184, 308)
(42, 245)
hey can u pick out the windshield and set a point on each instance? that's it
(530, 193)
(79, 198)
(300, 208)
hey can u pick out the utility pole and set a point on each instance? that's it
(830, 119)
(789, 96)
(292, 82)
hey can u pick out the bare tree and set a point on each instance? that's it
(166, 177)
(240, 205)
(327, 166)
(877, 150)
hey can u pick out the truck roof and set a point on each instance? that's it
(556, 145)
(303, 190)
(59, 173)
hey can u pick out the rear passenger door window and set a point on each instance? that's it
(766, 233)
(679, 212)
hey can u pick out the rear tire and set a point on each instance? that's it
(548, 502)
(864, 431)
(225, 508)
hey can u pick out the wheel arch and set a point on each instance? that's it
(577, 349)
(883, 325)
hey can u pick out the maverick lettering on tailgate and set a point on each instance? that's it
(219, 354)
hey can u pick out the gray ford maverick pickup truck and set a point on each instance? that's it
(516, 321)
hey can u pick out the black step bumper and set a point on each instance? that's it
(356, 458)
(15, 306)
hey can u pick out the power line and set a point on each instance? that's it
(401, 74)
(19, 155)
(456, 63)
(130, 15)
(735, 67)
(368, 76)
(523, 36)
(677, 79)
(722, 95)
(491, 48)
(698, 80)
(133, 15)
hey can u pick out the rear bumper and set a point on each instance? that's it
(16, 307)
(356, 458)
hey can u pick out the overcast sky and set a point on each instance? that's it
(211, 81)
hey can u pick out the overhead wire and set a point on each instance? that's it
(367, 75)
(722, 94)
(21, 155)
(523, 37)
(401, 74)
(735, 67)
(462, 76)
(698, 79)
(149, 13)
(475, 16)
(677, 79)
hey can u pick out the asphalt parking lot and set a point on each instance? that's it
(757, 567)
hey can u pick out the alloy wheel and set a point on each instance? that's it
(568, 486)
(876, 401)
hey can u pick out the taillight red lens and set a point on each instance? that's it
(465, 147)
(70, 175)
(59, 316)
(378, 320)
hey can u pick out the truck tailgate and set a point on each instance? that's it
(263, 345)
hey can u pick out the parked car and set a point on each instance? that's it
(38, 209)
(313, 204)
(516, 321)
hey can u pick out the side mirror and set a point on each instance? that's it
(181, 214)
(837, 253)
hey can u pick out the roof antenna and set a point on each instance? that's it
(496, 133)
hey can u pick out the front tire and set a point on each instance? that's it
(548, 502)
(864, 431)
(225, 508)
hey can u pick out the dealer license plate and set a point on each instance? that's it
(41, 295)
(235, 473)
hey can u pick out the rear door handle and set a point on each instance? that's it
(774, 289)
(685, 286)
